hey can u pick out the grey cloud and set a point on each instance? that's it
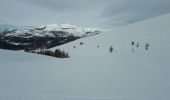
(1, 21)
(63, 5)
(123, 12)
(58, 5)
(83, 12)
(117, 12)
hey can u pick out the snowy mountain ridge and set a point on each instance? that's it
(46, 31)
(72, 29)
(44, 36)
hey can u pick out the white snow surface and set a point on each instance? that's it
(92, 73)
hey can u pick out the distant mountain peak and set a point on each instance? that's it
(72, 29)
(46, 36)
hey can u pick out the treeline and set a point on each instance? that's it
(57, 53)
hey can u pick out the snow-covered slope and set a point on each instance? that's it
(154, 31)
(92, 73)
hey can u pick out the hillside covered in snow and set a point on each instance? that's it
(130, 72)
(44, 36)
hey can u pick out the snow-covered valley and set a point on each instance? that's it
(92, 72)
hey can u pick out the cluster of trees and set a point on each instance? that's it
(57, 53)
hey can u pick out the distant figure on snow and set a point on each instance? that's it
(146, 46)
(137, 45)
(133, 42)
(81, 43)
(111, 49)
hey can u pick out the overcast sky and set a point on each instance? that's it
(81, 12)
